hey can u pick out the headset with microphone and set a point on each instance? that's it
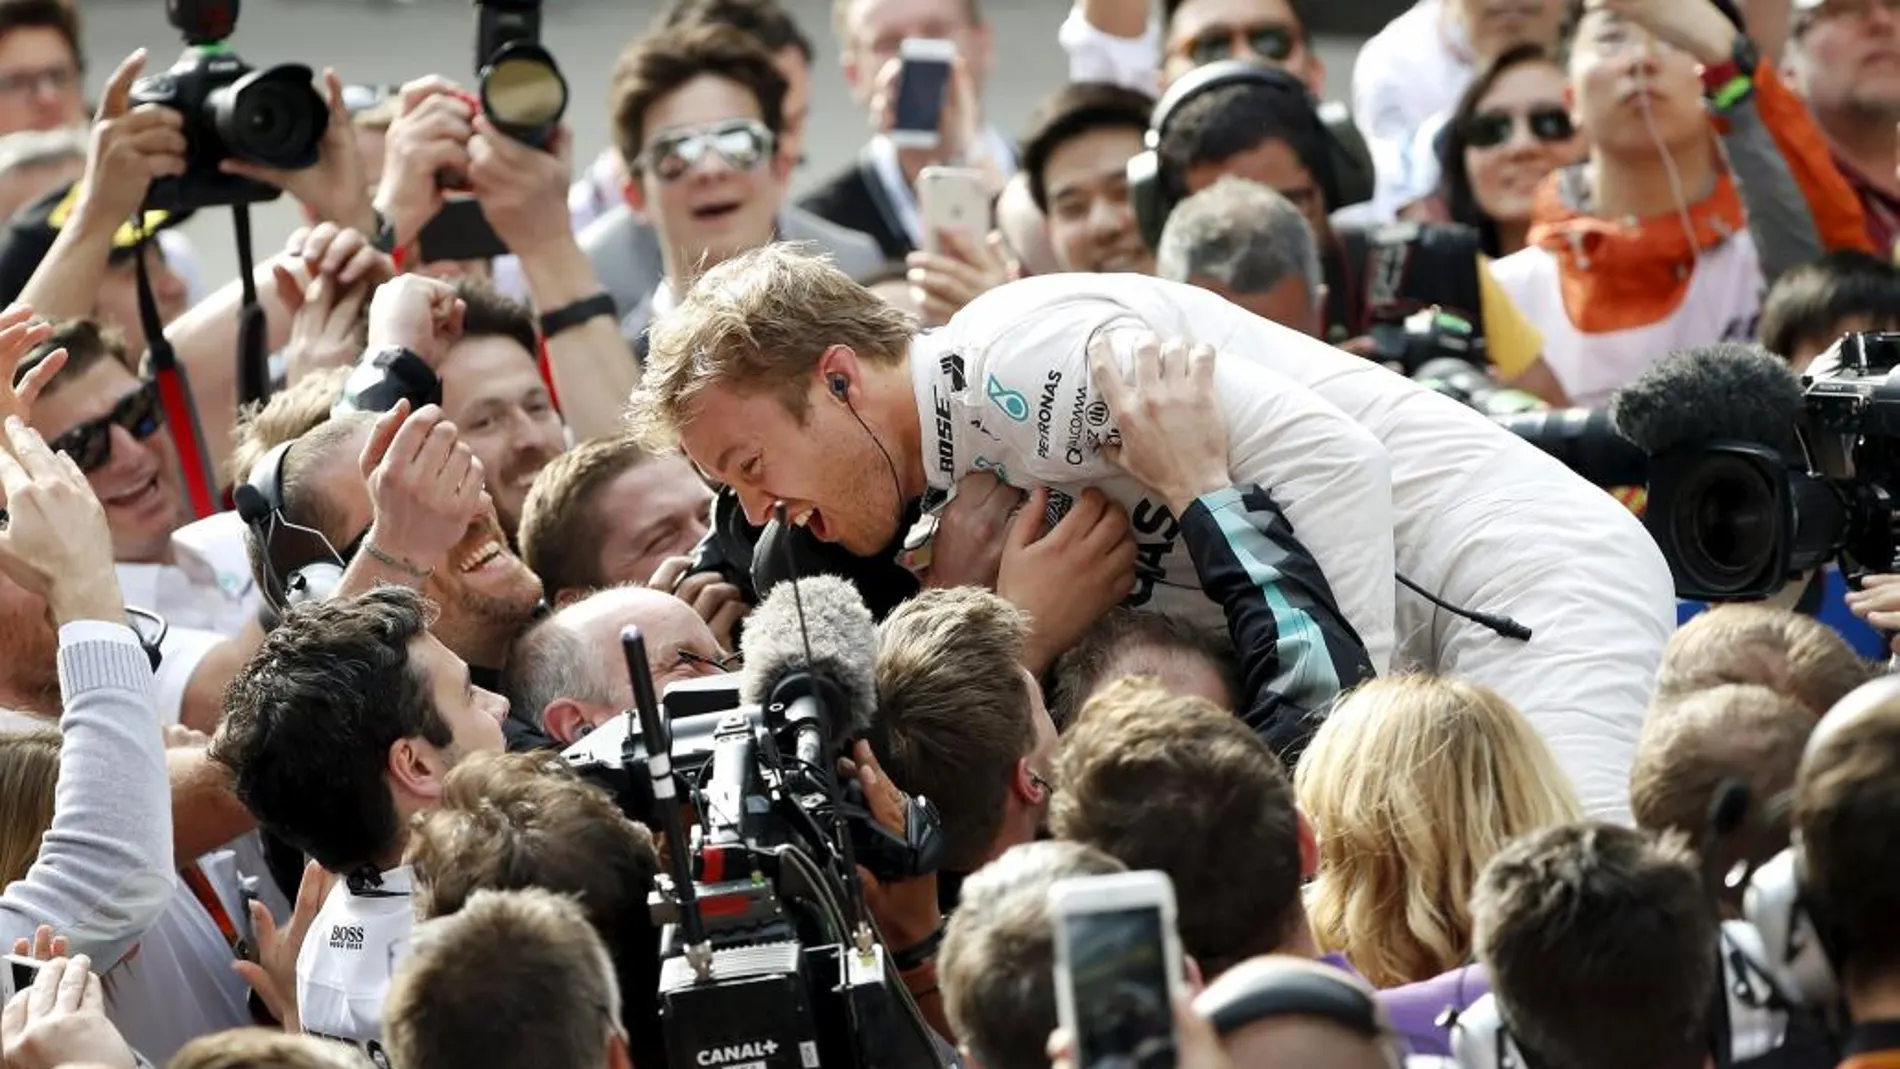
(295, 564)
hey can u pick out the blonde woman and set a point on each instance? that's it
(29, 769)
(1411, 785)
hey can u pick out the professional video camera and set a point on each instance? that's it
(1410, 341)
(1757, 476)
(522, 90)
(769, 959)
(272, 117)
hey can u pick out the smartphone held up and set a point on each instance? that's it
(1118, 969)
(923, 87)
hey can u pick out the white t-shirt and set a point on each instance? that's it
(1414, 69)
(351, 952)
(1375, 473)
(178, 983)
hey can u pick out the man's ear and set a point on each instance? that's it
(837, 362)
(1309, 848)
(1321, 294)
(565, 720)
(618, 1056)
(1024, 786)
(416, 768)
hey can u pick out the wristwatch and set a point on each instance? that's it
(1732, 81)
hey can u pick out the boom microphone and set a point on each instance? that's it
(1712, 393)
(830, 641)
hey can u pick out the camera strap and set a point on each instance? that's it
(174, 392)
(253, 360)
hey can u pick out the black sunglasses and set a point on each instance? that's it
(90, 444)
(1547, 123)
(1271, 41)
(742, 143)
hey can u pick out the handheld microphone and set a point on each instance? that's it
(1709, 393)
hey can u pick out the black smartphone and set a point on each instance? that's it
(459, 232)
(21, 971)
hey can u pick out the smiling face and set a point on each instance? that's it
(1091, 221)
(139, 484)
(482, 588)
(1619, 72)
(709, 178)
(651, 511)
(1526, 106)
(826, 469)
(493, 393)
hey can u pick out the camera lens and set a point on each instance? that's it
(272, 117)
(1725, 525)
(524, 93)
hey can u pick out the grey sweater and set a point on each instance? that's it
(104, 872)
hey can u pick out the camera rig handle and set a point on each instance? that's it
(659, 761)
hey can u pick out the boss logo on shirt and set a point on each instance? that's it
(346, 937)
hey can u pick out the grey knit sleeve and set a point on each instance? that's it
(105, 870)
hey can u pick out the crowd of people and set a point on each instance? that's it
(1182, 557)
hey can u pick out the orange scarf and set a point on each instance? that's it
(1616, 274)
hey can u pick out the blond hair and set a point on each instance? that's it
(1412, 784)
(759, 323)
(1791, 654)
(29, 771)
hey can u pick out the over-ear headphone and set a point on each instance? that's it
(294, 564)
(1267, 987)
(1154, 192)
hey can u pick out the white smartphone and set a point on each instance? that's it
(923, 85)
(953, 199)
(21, 972)
(1118, 968)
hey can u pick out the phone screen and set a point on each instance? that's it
(1122, 1012)
(23, 972)
(920, 90)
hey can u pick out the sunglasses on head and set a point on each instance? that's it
(1271, 41)
(90, 443)
(742, 143)
(1489, 129)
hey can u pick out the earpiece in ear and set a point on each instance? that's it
(840, 386)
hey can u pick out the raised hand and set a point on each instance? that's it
(61, 1021)
(130, 147)
(274, 974)
(336, 189)
(419, 313)
(1069, 577)
(425, 486)
(19, 334)
(55, 543)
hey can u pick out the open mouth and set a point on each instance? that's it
(719, 210)
(134, 497)
(814, 521)
(482, 557)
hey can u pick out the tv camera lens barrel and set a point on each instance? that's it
(1722, 524)
(524, 93)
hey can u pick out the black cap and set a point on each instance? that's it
(28, 236)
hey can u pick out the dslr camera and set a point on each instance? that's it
(521, 88)
(272, 117)
(1408, 342)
